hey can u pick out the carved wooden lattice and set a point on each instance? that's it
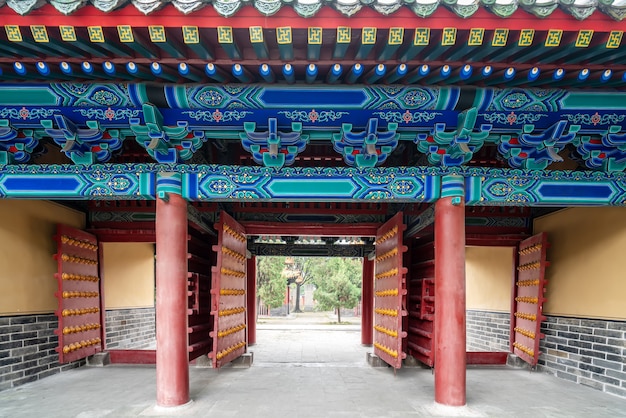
(528, 303)
(78, 295)
(390, 293)
(228, 292)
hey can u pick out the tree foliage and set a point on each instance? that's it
(270, 280)
(338, 282)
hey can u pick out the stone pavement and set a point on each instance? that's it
(298, 372)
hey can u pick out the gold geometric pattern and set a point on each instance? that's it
(125, 32)
(554, 37)
(526, 37)
(40, 33)
(584, 38)
(422, 37)
(500, 37)
(315, 36)
(256, 34)
(396, 36)
(157, 34)
(191, 35)
(96, 35)
(343, 35)
(368, 37)
(476, 36)
(615, 39)
(13, 33)
(68, 33)
(448, 37)
(225, 34)
(283, 35)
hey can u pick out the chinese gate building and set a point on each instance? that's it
(459, 139)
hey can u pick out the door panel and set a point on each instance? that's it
(528, 299)
(390, 293)
(78, 294)
(228, 292)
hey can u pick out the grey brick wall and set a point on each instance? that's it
(130, 328)
(487, 331)
(591, 352)
(27, 349)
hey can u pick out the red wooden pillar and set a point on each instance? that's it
(251, 300)
(367, 298)
(450, 360)
(172, 358)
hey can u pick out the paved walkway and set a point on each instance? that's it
(301, 373)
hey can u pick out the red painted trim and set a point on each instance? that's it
(486, 357)
(308, 229)
(367, 303)
(101, 290)
(251, 300)
(327, 17)
(132, 356)
(125, 235)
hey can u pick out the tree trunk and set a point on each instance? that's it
(339, 315)
(297, 308)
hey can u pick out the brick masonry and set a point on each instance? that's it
(487, 331)
(591, 352)
(27, 349)
(130, 328)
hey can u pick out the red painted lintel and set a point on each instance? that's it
(486, 357)
(327, 17)
(132, 356)
(307, 229)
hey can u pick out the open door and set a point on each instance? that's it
(390, 293)
(528, 298)
(228, 292)
(78, 294)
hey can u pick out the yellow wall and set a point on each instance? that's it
(488, 278)
(587, 253)
(27, 227)
(128, 275)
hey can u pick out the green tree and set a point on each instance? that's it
(338, 282)
(270, 280)
(303, 268)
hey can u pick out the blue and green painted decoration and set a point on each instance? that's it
(483, 186)
(275, 123)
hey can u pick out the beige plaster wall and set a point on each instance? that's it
(488, 278)
(27, 227)
(587, 274)
(128, 275)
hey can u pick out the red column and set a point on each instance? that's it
(450, 361)
(251, 300)
(172, 358)
(367, 308)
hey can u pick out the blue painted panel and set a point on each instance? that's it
(32, 186)
(318, 97)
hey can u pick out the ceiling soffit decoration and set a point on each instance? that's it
(580, 9)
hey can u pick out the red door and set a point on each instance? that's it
(390, 293)
(228, 292)
(78, 294)
(528, 299)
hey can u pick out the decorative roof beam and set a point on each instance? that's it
(226, 40)
(448, 40)
(368, 41)
(394, 41)
(342, 41)
(158, 36)
(193, 41)
(258, 42)
(474, 43)
(16, 146)
(314, 43)
(97, 36)
(284, 39)
(133, 41)
(599, 53)
(421, 40)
